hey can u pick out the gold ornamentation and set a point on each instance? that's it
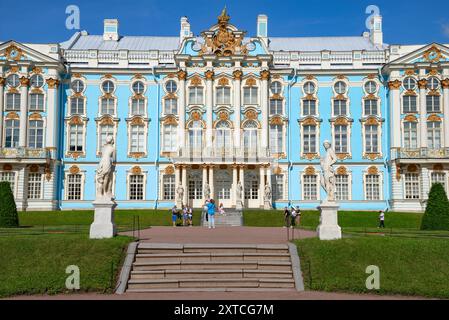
(265, 75)
(434, 92)
(410, 93)
(433, 54)
(373, 170)
(108, 76)
(170, 120)
(14, 69)
(342, 171)
(310, 171)
(169, 170)
(138, 76)
(76, 120)
(13, 49)
(438, 167)
(77, 75)
(196, 115)
(2, 81)
(277, 121)
(138, 96)
(309, 122)
(277, 96)
(12, 116)
(433, 72)
(136, 155)
(422, 84)
(223, 82)
(36, 70)
(372, 76)
(372, 121)
(394, 85)
(445, 83)
(209, 75)
(310, 156)
(74, 169)
(343, 156)
(434, 118)
(277, 170)
(250, 82)
(310, 77)
(223, 42)
(182, 75)
(7, 167)
(136, 170)
(398, 171)
(195, 81)
(24, 81)
(52, 83)
(412, 168)
(223, 167)
(107, 120)
(237, 74)
(341, 121)
(251, 115)
(35, 116)
(341, 77)
(411, 118)
(223, 116)
(137, 121)
(370, 97)
(13, 90)
(410, 72)
(75, 154)
(372, 156)
(34, 168)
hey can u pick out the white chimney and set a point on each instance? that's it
(376, 34)
(262, 27)
(185, 29)
(110, 29)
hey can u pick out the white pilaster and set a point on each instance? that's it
(242, 180)
(425, 182)
(237, 105)
(52, 113)
(204, 180)
(181, 108)
(184, 184)
(445, 85)
(209, 105)
(422, 114)
(395, 114)
(265, 75)
(261, 183)
(234, 184)
(2, 86)
(211, 181)
(23, 111)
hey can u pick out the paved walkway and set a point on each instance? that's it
(240, 235)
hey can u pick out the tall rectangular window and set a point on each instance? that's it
(371, 139)
(137, 139)
(36, 102)
(12, 102)
(433, 104)
(76, 140)
(370, 107)
(341, 138)
(107, 106)
(77, 105)
(276, 138)
(34, 185)
(434, 135)
(74, 186)
(169, 186)
(372, 187)
(170, 138)
(409, 104)
(105, 131)
(195, 188)
(136, 187)
(252, 189)
(342, 187)
(411, 186)
(410, 135)
(309, 138)
(309, 107)
(275, 106)
(36, 134)
(340, 108)
(223, 95)
(10, 177)
(171, 106)
(12, 129)
(250, 95)
(137, 107)
(438, 177)
(196, 95)
(277, 184)
(310, 187)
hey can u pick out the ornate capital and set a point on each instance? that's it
(265, 75)
(394, 85)
(209, 75)
(182, 75)
(422, 84)
(24, 81)
(52, 83)
(2, 81)
(237, 74)
(444, 83)
(74, 169)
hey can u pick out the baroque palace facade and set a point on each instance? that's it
(221, 108)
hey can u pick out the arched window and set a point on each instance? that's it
(250, 137)
(223, 138)
(36, 134)
(12, 128)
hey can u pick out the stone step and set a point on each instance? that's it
(211, 274)
(168, 290)
(203, 257)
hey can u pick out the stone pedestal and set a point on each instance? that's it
(239, 205)
(179, 204)
(329, 228)
(267, 205)
(103, 226)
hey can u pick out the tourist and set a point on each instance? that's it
(381, 219)
(174, 213)
(287, 217)
(211, 213)
(184, 215)
(297, 212)
(205, 208)
(190, 215)
(221, 209)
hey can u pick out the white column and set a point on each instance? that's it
(204, 180)
(181, 108)
(184, 184)
(209, 105)
(265, 75)
(2, 84)
(237, 105)
(395, 113)
(177, 183)
(269, 176)
(261, 183)
(23, 111)
(211, 181)
(234, 184)
(52, 114)
(445, 85)
(242, 180)
(422, 114)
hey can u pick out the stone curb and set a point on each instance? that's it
(126, 269)
(296, 267)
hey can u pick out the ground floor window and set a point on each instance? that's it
(277, 185)
(411, 186)
(310, 187)
(9, 177)
(372, 187)
(74, 187)
(169, 186)
(34, 185)
(195, 189)
(223, 184)
(342, 187)
(438, 177)
(251, 189)
(136, 187)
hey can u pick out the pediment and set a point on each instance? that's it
(432, 53)
(15, 51)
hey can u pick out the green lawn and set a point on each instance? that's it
(36, 264)
(407, 266)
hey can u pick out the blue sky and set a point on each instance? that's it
(405, 22)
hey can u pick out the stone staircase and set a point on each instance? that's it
(232, 218)
(212, 267)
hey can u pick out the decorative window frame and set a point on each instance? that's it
(108, 96)
(250, 81)
(16, 178)
(141, 96)
(140, 121)
(168, 120)
(344, 96)
(279, 171)
(37, 91)
(77, 95)
(308, 121)
(343, 170)
(136, 170)
(372, 96)
(79, 121)
(36, 116)
(410, 118)
(164, 83)
(310, 171)
(436, 118)
(74, 169)
(105, 120)
(415, 169)
(342, 121)
(372, 121)
(166, 170)
(313, 96)
(283, 122)
(220, 82)
(373, 170)
(407, 93)
(35, 169)
(439, 168)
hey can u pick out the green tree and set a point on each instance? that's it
(436, 216)
(8, 210)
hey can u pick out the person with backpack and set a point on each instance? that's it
(174, 213)
(296, 216)
(211, 213)
(287, 217)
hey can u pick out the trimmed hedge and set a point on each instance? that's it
(436, 216)
(8, 210)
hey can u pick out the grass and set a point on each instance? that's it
(37, 264)
(79, 221)
(407, 266)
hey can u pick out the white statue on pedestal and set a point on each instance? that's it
(267, 197)
(206, 191)
(103, 225)
(327, 171)
(105, 170)
(180, 192)
(239, 196)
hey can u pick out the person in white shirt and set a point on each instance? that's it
(381, 219)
